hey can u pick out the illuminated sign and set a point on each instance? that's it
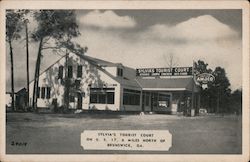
(175, 71)
(205, 78)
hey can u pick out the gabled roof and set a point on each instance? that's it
(100, 62)
(21, 91)
(168, 84)
(95, 61)
(129, 80)
(129, 77)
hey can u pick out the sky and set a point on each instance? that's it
(147, 39)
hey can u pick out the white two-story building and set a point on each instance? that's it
(94, 84)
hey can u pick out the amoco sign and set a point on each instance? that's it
(205, 78)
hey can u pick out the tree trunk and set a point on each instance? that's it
(67, 86)
(27, 64)
(12, 78)
(218, 103)
(34, 90)
(37, 71)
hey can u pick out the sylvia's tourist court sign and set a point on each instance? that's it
(175, 71)
(141, 140)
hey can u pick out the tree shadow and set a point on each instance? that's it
(90, 78)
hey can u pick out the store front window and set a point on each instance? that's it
(131, 97)
(164, 101)
(102, 95)
(160, 101)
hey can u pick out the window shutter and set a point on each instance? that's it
(48, 93)
(79, 71)
(60, 73)
(43, 93)
(70, 71)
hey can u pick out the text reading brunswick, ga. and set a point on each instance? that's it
(144, 140)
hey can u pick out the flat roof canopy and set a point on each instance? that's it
(168, 84)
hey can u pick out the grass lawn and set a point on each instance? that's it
(60, 133)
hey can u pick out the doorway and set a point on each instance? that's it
(143, 102)
(79, 101)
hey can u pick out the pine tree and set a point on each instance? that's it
(57, 26)
(13, 27)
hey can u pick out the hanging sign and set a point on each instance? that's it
(175, 71)
(205, 78)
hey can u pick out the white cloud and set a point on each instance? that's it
(107, 19)
(202, 28)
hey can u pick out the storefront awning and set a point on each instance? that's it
(168, 84)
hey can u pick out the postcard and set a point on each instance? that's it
(124, 81)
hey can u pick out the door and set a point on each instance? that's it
(143, 101)
(152, 102)
(79, 101)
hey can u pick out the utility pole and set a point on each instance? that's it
(192, 101)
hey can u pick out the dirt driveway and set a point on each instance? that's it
(60, 133)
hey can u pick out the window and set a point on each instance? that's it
(48, 93)
(125, 99)
(79, 71)
(119, 72)
(38, 92)
(110, 97)
(70, 72)
(60, 73)
(102, 98)
(43, 93)
(93, 97)
(163, 100)
(131, 97)
(102, 95)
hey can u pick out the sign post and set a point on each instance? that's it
(204, 79)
